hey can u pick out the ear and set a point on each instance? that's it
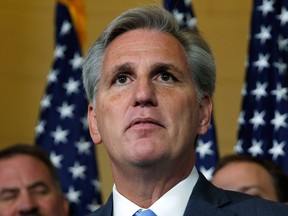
(93, 127)
(205, 114)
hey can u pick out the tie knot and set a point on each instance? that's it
(147, 212)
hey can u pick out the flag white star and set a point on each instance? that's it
(262, 62)
(187, 3)
(77, 171)
(56, 159)
(59, 51)
(238, 147)
(277, 149)
(93, 206)
(179, 16)
(241, 119)
(191, 21)
(52, 76)
(66, 111)
(204, 148)
(260, 90)
(83, 146)
(282, 43)
(281, 66)
(258, 119)
(244, 89)
(40, 128)
(256, 148)
(280, 93)
(84, 122)
(279, 120)
(266, 7)
(73, 196)
(283, 17)
(264, 34)
(76, 62)
(96, 184)
(59, 135)
(46, 102)
(72, 86)
(65, 28)
(207, 172)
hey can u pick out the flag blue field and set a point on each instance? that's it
(62, 127)
(263, 125)
(207, 150)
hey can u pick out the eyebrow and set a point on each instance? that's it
(122, 67)
(30, 187)
(128, 67)
(166, 66)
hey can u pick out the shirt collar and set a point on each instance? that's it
(173, 202)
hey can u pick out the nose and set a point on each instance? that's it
(27, 204)
(145, 93)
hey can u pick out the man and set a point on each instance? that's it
(253, 176)
(29, 184)
(150, 87)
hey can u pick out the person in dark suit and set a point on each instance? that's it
(251, 175)
(150, 86)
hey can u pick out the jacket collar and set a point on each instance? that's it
(206, 199)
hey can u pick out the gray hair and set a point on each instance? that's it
(199, 57)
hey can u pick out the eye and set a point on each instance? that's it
(166, 77)
(121, 79)
(7, 196)
(41, 190)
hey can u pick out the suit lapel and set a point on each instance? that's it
(207, 200)
(107, 209)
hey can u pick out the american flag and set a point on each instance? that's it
(207, 150)
(263, 123)
(62, 128)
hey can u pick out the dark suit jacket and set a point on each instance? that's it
(208, 200)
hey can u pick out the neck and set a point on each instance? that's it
(144, 186)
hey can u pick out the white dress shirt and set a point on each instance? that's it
(173, 202)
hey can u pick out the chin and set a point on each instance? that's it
(148, 160)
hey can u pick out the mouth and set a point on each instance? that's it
(144, 121)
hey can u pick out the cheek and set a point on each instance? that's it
(9, 209)
(110, 102)
(109, 113)
(51, 204)
(183, 107)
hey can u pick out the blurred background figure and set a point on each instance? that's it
(29, 183)
(252, 176)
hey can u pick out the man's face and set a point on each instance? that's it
(146, 105)
(246, 177)
(26, 188)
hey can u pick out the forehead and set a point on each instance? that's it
(21, 170)
(245, 170)
(151, 44)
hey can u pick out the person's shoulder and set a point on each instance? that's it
(235, 202)
(248, 205)
(104, 210)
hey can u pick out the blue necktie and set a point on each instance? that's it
(147, 212)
